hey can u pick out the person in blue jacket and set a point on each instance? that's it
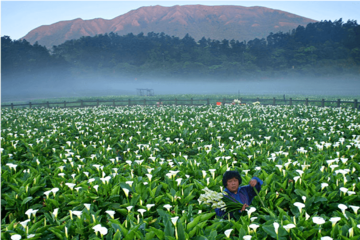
(244, 195)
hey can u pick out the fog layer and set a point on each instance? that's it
(21, 91)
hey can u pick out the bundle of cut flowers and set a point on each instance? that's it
(213, 199)
(220, 200)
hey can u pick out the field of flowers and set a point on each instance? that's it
(138, 172)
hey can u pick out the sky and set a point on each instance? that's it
(20, 17)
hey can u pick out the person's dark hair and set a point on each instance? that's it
(229, 175)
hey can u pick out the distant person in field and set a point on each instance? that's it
(244, 195)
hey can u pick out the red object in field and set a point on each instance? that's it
(218, 103)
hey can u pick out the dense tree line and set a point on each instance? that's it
(320, 49)
(22, 62)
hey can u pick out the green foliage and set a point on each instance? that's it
(105, 150)
(20, 57)
(320, 49)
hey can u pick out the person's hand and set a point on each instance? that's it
(243, 207)
(252, 182)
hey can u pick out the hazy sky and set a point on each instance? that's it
(20, 17)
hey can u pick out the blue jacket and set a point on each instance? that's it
(247, 191)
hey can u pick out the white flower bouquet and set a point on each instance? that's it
(213, 199)
(219, 200)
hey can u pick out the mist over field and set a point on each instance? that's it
(321, 59)
(20, 90)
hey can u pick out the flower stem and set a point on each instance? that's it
(257, 193)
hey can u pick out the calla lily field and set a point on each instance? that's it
(151, 172)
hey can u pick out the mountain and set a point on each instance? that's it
(214, 22)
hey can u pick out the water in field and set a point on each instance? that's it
(103, 87)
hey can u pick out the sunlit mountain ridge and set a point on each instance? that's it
(215, 22)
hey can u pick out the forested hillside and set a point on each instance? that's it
(20, 58)
(320, 49)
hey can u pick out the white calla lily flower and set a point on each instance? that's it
(289, 226)
(16, 237)
(111, 213)
(276, 227)
(167, 206)
(299, 205)
(141, 211)
(228, 232)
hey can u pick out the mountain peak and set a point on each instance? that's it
(214, 22)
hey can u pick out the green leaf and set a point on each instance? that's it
(212, 235)
(269, 229)
(200, 238)
(104, 204)
(206, 216)
(123, 212)
(49, 217)
(164, 185)
(53, 202)
(193, 223)
(11, 225)
(130, 235)
(159, 233)
(309, 233)
(152, 192)
(172, 192)
(242, 233)
(193, 231)
(115, 206)
(181, 231)
(114, 196)
(43, 229)
(150, 235)
(34, 189)
(118, 225)
(332, 196)
(115, 191)
(356, 165)
(73, 203)
(17, 190)
(169, 229)
(64, 218)
(269, 178)
(26, 200)
(189, 197)
(109, 235)
(60, 234)
(159, 198)
(320, 199)
(279, 201)
(300, 192)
